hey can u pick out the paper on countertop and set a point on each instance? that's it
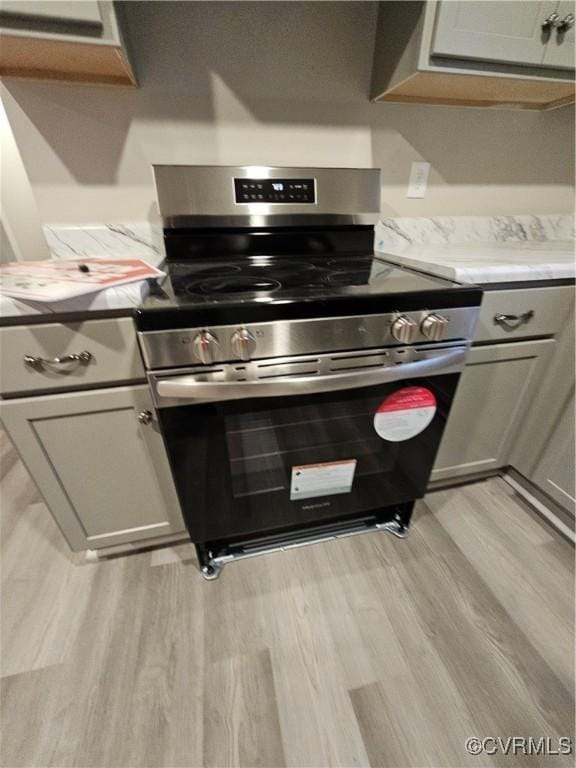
(52, 280)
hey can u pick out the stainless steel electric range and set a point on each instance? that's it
(301, 385)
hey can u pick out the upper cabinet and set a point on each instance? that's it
(487, 53)
(510, 32)
(69, 41)
(52, 11)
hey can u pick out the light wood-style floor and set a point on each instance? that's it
(368, 651)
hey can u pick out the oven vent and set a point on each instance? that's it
(359, 362)
(326, 364)
(283, 369)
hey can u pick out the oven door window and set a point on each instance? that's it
(247, 467)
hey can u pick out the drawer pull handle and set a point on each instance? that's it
(513, 321)
(567, 23)
(551, 22)
(39, 362)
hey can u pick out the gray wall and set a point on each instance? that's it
(20, 231)
(279, 83)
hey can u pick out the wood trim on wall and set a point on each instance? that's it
(36, 58)
(475, 91)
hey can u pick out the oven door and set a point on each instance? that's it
(257, 452)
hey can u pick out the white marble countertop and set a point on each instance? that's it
(491, 262)
(473, 249)
(498, 249)
(138, 240)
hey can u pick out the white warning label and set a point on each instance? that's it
(326, 479)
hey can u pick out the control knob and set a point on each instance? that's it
(404, 329)
(433, 327)
(243, 344)
(205, 346)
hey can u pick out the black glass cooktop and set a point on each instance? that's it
(255, 289)
(229, 276)
(262, 279)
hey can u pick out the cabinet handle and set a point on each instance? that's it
(550, 22)
(566, 24)
(39, 362)
(145, 417)
(513, 321)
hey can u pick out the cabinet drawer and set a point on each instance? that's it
(113, 355)
(533, 312)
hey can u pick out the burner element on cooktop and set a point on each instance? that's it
(258, 276)
(217, 270)
(282, 269)
(234, 284)
(268, 275)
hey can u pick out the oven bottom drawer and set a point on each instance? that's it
(395, 519)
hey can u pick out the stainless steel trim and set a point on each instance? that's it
(163, 349)
(312, 218)
(214, 566)
(73, 358)
(189, 190)
(191, 387)
(395, 527)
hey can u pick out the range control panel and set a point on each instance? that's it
(291, 338)
(275, 191)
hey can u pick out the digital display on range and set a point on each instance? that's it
(275, 191)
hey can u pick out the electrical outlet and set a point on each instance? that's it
(418, 180)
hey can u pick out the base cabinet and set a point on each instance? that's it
(544, 452)
(555, 470)
(102, 471)
(492, 396)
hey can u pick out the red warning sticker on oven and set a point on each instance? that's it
(404, 414)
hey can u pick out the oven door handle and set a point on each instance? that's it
(189, 388)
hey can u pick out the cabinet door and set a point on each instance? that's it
(554, 473)
(75, 41)
(508, 32)
(103, 474)
(544, 448)
(559, 51)
(492, 398)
